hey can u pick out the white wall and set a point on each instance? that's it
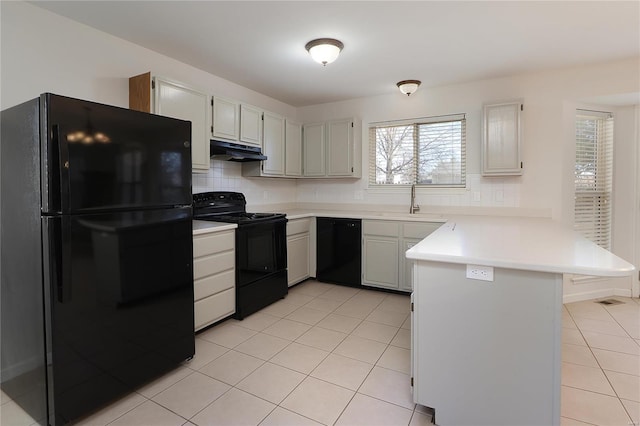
(44, 52)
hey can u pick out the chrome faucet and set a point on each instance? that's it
(414, 207)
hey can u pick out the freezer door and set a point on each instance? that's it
(101, 158)
(121, 298)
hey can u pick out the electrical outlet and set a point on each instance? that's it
(479, 272)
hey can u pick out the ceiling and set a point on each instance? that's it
(260, 44)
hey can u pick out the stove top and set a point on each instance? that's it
(228, 207)
(241, 218)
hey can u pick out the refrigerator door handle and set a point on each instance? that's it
(60, 244)
(63, 167)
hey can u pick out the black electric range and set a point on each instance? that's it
(261, 248)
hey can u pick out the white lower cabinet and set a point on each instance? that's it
(214, 277)
(383, 256)
(298, 250)
(380, 253)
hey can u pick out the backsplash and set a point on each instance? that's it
(227, 176)
(480, 192)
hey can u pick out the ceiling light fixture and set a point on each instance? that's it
(324, 50)
(408, 87)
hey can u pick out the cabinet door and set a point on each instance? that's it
(178, 101)
(406, 265)
(225, 119)
(339, 148)
(293, 149)
(250, 125)
(501, 139)
(273, 144)
(380, 256)
(313, 149)
(298, 257)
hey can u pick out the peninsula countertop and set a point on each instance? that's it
(534, 244)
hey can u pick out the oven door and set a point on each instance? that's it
(261, 250)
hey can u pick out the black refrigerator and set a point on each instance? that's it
(96, 253)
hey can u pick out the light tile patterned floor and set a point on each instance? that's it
(601, 363)
(336, 355)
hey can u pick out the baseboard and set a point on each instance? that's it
(595, 294)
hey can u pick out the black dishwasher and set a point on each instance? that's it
(339, 248)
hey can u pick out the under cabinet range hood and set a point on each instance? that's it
(229, 151)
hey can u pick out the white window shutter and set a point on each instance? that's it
(593, 176)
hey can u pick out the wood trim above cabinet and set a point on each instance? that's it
(140, 92)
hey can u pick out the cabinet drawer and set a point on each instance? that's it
(379, 227)
(298, 226)
(419, 230)
(209, 265)
(214, 308)
(213, 284)
(214, 242)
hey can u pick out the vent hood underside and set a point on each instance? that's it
(229, 151)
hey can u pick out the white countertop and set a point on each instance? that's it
(203, 226)
(302, 213)
(533, 244)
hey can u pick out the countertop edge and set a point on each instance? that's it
(541, 245)
(205, 227)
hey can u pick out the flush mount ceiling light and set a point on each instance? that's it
(324, 50)
(408, 86)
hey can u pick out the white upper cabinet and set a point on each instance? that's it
(293, 149)
(340, 148)
(313, 149)
(273, 144)
(329, 149)
(226, 119)
(250, 125)
(501, 139)
(170, 98)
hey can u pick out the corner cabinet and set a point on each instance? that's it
(166, 97)
(214, 285)
(501, 139)
(330, 149)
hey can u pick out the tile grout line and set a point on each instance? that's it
(600, 366)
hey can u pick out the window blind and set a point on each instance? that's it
(593, 176)
(427, 151)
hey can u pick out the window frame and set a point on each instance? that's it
(416, 123)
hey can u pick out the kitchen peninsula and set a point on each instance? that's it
(486, 350)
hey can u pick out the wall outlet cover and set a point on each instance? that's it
(479, 272)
